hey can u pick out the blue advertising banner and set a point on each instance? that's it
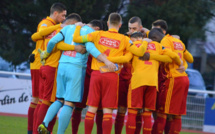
(209, 120)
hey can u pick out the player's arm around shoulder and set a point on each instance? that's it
(138, 49)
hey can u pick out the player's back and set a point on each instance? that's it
(73, 56)
(178, 47)
(111, 43)
(146, 72)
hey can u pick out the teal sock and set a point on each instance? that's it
(64, 119)
(52, 112)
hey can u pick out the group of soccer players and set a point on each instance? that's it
(65, 71)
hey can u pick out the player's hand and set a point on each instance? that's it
(80, 24)
(63, 25)
(111, 66)
(176, 36)
(181, 68)
(145, 57)
(80, 49)
(43, 54)
(147, 39)
(128, 33)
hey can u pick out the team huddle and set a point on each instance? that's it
(75, 65)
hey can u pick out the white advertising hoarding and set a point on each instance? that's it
(15, 95)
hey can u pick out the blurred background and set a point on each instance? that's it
(192, 20)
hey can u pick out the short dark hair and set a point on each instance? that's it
(136, 35)
(135, 19)
(115, 19)
(74, 16)
(155, 32)
(59, 7)
(96, 23)
(161, 23)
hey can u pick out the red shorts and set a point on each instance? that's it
(86, 91)
(123, 92)
(35, 77)
(47, 77)
(104, 89)
(173, 95)
(142, 97)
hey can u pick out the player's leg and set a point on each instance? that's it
(76, 116)
(35, 99)
(76, 119)
(122, 105)
(36, 113)
(99, 119)
(89, 119)
(119, 121)
(107, 121)
(48, 77)
(65, 116)
(150, 95)
(139, 121)
(135, 103)
(50, 115)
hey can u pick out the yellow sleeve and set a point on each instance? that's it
(172, 55)
(188, 56)
(139, 51)
(166, 43)
(64, 46)
(36, 36)
(185, 64)
(161, 58)
(85, 38)
(48, 30)
(121, 59)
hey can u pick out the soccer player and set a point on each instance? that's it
(104, 86)
(70, 77)
(48, 70)
(76, 115)
(144, 81)
(134, 25)
(173, 88)
(57, 15)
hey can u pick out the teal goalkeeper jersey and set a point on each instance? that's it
(74, 57)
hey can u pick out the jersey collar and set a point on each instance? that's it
(50, 19)
(113, 30)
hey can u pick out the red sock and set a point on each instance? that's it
(138, 123)
(42, 112)
(35, 118)
(76, 119)
(31, 110)
(131, 122)
(89, 122)
(119, 122)
(167, 126)
(107, 123)
(175, 126)
(159, 124)
(99, 119)
(51, 124)
(147, 126)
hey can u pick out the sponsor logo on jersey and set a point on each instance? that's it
(70, 53)
(138, 45)
(151, 46)
(178, 46)
(51, 35)
(109, 42)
